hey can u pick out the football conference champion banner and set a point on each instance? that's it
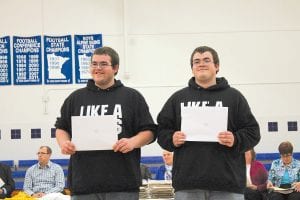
(5, 64)
(58, 59)
(27, 60)
(84, 48)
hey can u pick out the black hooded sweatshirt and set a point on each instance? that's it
(209, 165)
(106, 170)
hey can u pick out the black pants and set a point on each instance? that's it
(250, 194)
(279, 196)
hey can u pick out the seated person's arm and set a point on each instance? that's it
(263, 176)
(28, 185)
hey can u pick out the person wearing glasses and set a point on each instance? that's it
(285, 173)
(164, 172)
(45, 177)
(106, 174)
(212, 167)
(7, 183)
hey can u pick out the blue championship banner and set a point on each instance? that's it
(27, 60)
(5, 64)
(84, 48)
(58, 59)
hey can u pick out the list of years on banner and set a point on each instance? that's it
(4, 59)
(4, 68)
(33, 67)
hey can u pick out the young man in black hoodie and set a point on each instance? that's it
(106, 174)
(208, 170)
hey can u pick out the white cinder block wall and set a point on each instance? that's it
(258, 43)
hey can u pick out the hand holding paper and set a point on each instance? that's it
(226, 138)
(178, 138)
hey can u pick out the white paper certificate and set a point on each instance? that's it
(94, 132)
(203, 123)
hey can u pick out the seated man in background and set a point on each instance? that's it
(165, 171)
(145, 172)
(7, 183)
(285, 173)
(44, 177)
(257, 177)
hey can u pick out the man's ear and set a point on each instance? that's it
(217, 68)
(116, 69)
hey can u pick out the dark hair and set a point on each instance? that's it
(110, 52)
(285, 148)
(253, 154)
(49, 150)
(203, 49)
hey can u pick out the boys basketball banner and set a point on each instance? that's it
(84, 48)
(58, 59)
(5, 64)
(27, 60)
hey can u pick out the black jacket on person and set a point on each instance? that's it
(209, 165)
(9, 183)
(106, 170)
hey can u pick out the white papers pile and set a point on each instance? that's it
(155, 189)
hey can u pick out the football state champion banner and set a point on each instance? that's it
(58, 59)
(5, 64)
(27, 60)
(84, 48)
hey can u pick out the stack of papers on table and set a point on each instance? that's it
(155, 189)
(143, 192)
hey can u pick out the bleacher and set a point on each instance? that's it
(153, 162)
(8, 162)
(19, 170)
(267, 158)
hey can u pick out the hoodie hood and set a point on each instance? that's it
(91, 85)
(222, 84)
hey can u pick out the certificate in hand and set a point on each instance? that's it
(203, 123)
(94, 132)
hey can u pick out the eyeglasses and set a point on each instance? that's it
(205, 61)
(41, 153)
(100, 65)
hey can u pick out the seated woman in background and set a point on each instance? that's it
(257, 177)
(285, 173)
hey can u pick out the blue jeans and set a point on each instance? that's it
(108, 196)
(207, 195)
